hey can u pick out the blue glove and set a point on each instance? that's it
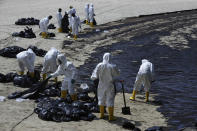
(72, 81)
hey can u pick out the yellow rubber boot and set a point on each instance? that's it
(75, 37)
(133, 95)
(63, 94)
(111, 113)
(74, 97)
(44, 76)
(91, 24)
(147, 96)
(31, 74)
(55, 80)
(21, 72)
(87, 22)
(44, 34)
(102, 108)
(59, 30)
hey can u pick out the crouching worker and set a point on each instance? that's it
(69, 71)
(144, 77)
(105, 72)
(50, 64)
(43, 24)
(26, 59)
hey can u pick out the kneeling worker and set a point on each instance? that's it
(144, 77)
(67, 69)
(106, 72)
(26, 59)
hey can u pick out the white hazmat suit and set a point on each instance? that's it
(87, 13)
(43, 24)
(106, 73)
(91, 14)
(75, 24)
(144, 77)
(26, 59)
(70, 12)
(59, 20)
(50, 64)
(69, 71)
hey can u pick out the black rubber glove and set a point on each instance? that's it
(72, 81)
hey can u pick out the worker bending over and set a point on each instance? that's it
(144, 77)
(50, 64)
(69, 71)
(43, 24)
(26, 59)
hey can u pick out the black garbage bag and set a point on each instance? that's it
(37, 51)
(27, 33)
(51, 34)
(25, 80)
(11, 51)
(45, 115)
(83, 97)
(65, 24)
(78, 104)
(155, 128)
(94, 21)
(27, 21)
(91, 117)
(51, 26)
(2, 78)
(22, 81)
(10, 76)
(52, 92)
(15, 95)
(15, 34)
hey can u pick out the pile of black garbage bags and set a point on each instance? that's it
(27, 21)
(27, 33)
(65, 110)
(37, 51)
(12, 51)
(50, 107)
(51, 26)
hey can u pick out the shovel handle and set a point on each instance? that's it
(122, 81)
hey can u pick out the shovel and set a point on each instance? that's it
(125, 109)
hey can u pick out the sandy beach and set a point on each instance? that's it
(19, 116)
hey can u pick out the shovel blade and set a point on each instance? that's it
(126, 110)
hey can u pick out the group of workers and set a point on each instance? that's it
(73, 19)
(56, 64)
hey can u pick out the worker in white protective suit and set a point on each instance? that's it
(87, 13)
(59, 19)
(144, 77)
(106, 74)
(43, 24)
(75, 24)
(91, 14)
(26, 59)
(67, 69)
(70, 12)
(50, 64)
